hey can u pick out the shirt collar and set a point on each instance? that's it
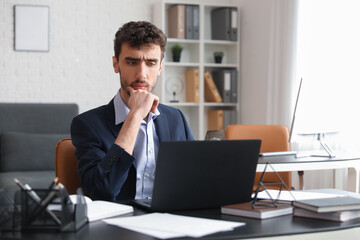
(121, 110)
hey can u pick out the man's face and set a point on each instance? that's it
(138, 68)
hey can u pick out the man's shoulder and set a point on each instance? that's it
(98, 112)
(167, 109)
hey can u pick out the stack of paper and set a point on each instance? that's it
(165, 225)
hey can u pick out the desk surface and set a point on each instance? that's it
(308, 159)
(280, 226)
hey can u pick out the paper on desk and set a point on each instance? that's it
(298, 195)
(165, 225)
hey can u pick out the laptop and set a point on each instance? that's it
(203, 174)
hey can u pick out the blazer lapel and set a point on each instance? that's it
(115, 129)
(162, 128)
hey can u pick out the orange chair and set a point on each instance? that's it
(274, 138)
(66, 165)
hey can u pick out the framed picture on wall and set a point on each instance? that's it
(31, 28)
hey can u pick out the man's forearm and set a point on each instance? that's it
(129, 131)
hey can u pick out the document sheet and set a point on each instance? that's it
(165, 225)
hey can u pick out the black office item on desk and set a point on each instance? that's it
(9, 213)
(51, 209)
(262, 187)
(215, 135)
(203, 174)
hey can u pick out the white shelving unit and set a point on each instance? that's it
(196, 54)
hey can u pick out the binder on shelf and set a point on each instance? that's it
(196, 22)
(234, 24)
(188, 21)
(230, 117)
(220, 24)
(176, 21)
(192, 85)
(211, 92)
(234, 86)
(224, 23)
(222, 80)
(215, 120)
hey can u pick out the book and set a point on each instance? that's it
(246, 210)
(290, 196)
(192, 82)
(215, 120)
(339, 216)
(98, 209)
(176, 21)
(211, 92)
(329, 204)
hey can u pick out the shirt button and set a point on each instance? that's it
(150, 151)
(147, 175)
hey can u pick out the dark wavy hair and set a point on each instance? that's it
(138, 34)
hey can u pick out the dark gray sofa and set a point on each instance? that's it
(29, 133)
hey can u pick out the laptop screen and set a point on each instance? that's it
(204, 174)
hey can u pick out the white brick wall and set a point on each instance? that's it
(78, 67)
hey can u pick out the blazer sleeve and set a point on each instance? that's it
(103, 166)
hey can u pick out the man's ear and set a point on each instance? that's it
(115, 65)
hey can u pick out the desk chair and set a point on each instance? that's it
(274, 138)
(66, 165)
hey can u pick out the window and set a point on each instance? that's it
(328, 60)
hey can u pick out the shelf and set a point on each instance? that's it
(177, 40)
(183, 104)
(196, 54)
(220, 65)
(181, 64)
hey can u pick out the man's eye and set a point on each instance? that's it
(131, 62)
(151, 63)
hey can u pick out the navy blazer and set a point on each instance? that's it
(106, 170)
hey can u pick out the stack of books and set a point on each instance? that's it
(259, 212)
(338, 209)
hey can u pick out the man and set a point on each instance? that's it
(117, 144)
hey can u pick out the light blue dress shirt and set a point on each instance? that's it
(145, 150)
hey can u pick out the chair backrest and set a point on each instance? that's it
(66, 165)
(274, 138)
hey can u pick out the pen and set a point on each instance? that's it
(28, 189)
(53, 183)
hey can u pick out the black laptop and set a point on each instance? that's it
(203, 174)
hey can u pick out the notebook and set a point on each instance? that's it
(203, 174)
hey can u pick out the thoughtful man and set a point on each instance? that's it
(117, 144)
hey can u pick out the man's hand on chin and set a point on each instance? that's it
(142, 101)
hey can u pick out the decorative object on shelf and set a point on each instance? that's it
(174, 86)
(218, 57)
(176, 52)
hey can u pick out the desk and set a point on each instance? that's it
(291, 163)
(284, 228)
